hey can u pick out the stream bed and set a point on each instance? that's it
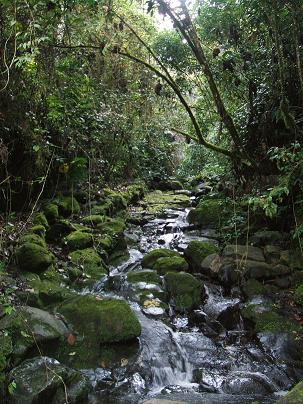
(206, 356)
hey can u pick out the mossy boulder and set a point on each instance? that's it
(169, 264)
(67, 205)
(294, 396)
(51, 212)
(101, 321)
(267, 319)
(40, 219)
(44, 379)
(79, 240)
(136, 192)
(118, 199)
(197, 251)
(90, 261)
(298, 295)
(59, 230)
(207, 213)
(151, 257)
(112, 227)
(184, 290)
(146, 276)
(102, 209)
(32, 238)
(39, 230)
(33, 257)
(93, 220)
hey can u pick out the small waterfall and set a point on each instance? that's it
(162, 356)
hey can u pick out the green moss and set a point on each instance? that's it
(136, 192)
(118, 199)
(59, 230)
(101, 321)
(298, 295)
(93, 220)
(105, 242)
(144, 276)
(157, 201)
(90, 261)
(184, 290)
(103, 209)
(51, 212)
(79, 240)
(40, 219)
(196, 251)
(208, 213)
(6, 349)
(33, 257)
(294, 396)
(266, 319)
(48, 292)
(151, 257)
(39, 230)
(112, 227)
(33, 238)
(168, 264)
(67, 205)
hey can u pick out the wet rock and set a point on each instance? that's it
(151, 257)
(101, 321)
(245, 383)
(44, 379)
(197, 318)
(211, 264)
(33, 257)
(294, 396)
(79, 240)
(197, 251)
(184, 290)
(154, 311)
(161, 401)
(243, 252)
(169, 264)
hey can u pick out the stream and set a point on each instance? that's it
(204, 357)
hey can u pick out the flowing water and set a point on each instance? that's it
(206, 357)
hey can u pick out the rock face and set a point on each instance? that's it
(33, 257)
(196, 252)
(184, 290)
(151, 257)
(44, 379)
(101, 321)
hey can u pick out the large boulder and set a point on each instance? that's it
(33, 257)
(147, 276)
(44, 379)
(101, 321)
(151, 257)
(207, 213)
(184, 290)
(197, 251)
(243, 252)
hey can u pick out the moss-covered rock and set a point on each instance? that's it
(51, 212)
(208, 213)
(267, 319)
(147, 276)
(298, 295)
(151, 257)
(79, 240)
(197, 251)
(104, 208)
(6, 349)
(294, 396)
(112, 227)
(243, 252)
(39, 230)
(32, 238)
(67, 205)
(59, 230)
(118, 199)
(252, 288)
(93, 220)
(184, 290)
(136, 192)
(101, 321)
(43, 379)
(90, 261)
(40, 219)
(169, 264)
(33, 257)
